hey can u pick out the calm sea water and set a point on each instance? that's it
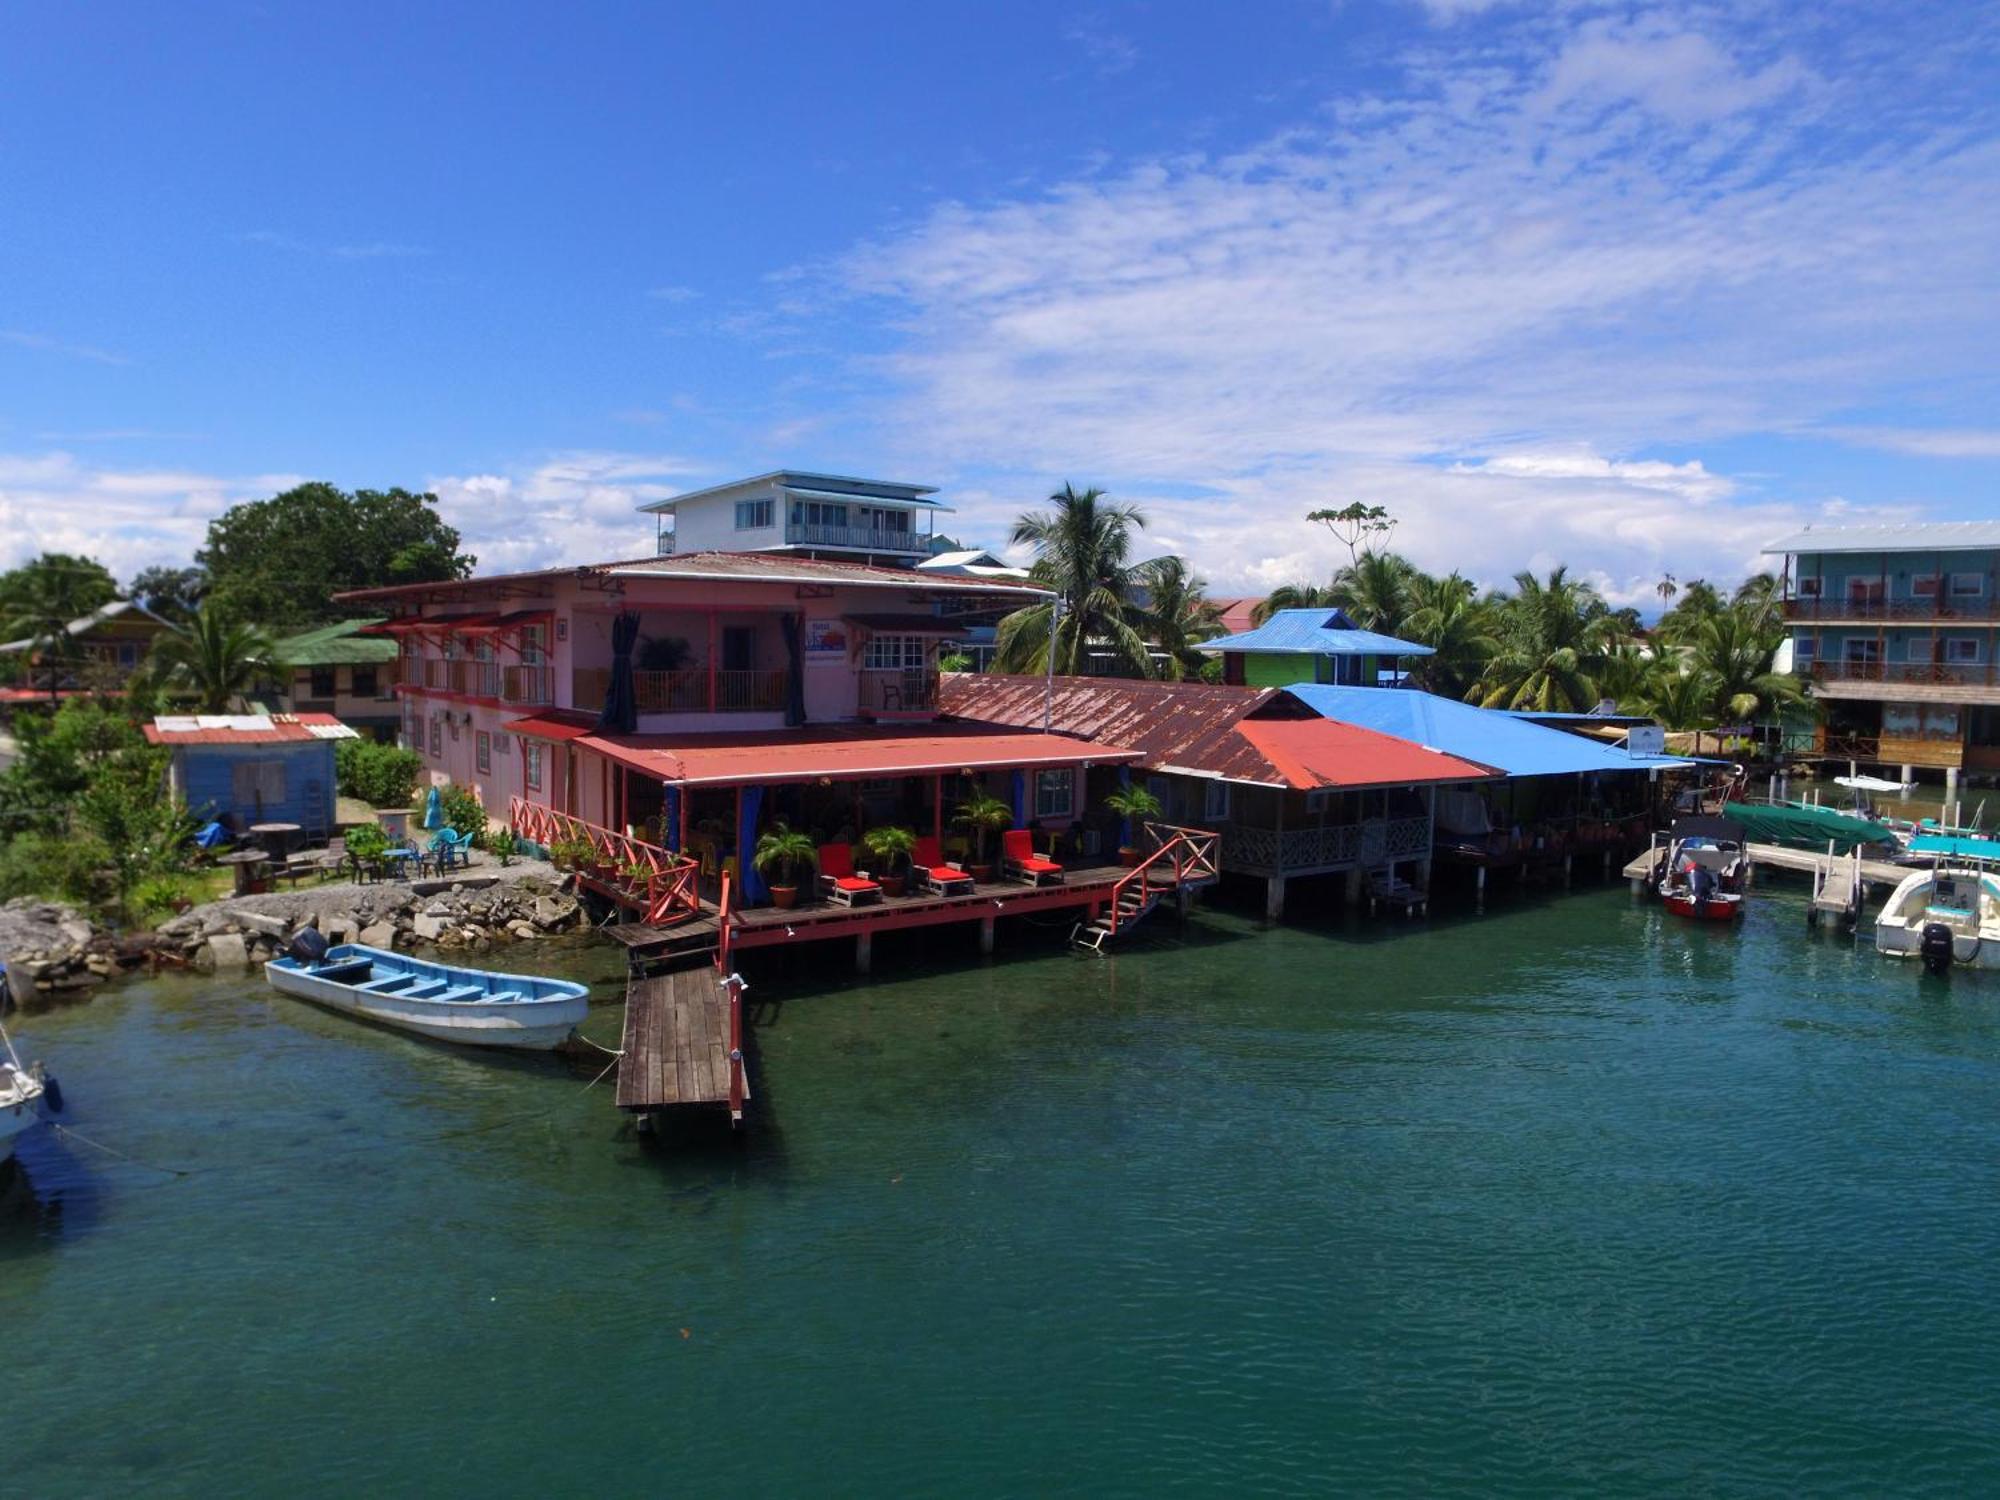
(1572, 1199)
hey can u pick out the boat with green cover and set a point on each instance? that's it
(1799, 825)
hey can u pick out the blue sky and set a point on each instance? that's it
(1632, 288)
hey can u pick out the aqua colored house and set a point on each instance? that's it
(1310, 645)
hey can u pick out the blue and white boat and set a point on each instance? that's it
(441, 1001)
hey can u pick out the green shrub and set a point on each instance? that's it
(367, 842)
(61, 868)
(380, 775)
(158, 897)
(464, 813)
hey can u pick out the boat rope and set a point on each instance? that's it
(577, 1036)
(605, 1074)
(68, 1134)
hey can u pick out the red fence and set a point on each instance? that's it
(664, 880)
(1191, 853)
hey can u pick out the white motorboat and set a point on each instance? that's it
(1946, 915)
(21, 1091)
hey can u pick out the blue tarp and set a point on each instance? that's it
(1485, 735)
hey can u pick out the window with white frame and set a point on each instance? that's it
(1967, 585)
(1961, 648)
(482, 752)
(1809, 587)
(753, 515)
(531, 764)
(1802, 651)
(1215, 802)
(1860, 652)
(893, 652)
(437, 737)
(1055, 795)
(819, 513)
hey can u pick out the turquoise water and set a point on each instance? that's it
(1572, 1199)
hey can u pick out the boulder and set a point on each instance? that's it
(228, 951)
(381, 935)
(77, 931)
(428, 926)
(257, 921)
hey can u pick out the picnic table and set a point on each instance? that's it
(277, 837)
(248, 877)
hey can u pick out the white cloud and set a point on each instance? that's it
(1925, 442)
(571, 507)
(1472, 298)
(43, 343)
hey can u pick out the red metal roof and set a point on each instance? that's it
(245, 729)
(1203, 729)
(1235, 614)
(842, 752)
(1326, 753)
(553, 724)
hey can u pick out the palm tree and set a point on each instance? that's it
(1736, 648)
(216, 658)
(1448, 615)
(1177, 615)
(1554, 639)
(1374, 590)
(1292, 596)
(1627, 676)
(47, 602)
(1081, 551)
(1681, 695)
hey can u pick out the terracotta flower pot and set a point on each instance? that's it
(1128, 857)
(784, 896)
(894, 885)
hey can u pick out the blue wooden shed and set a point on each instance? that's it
(242, 769)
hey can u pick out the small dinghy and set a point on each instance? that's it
(443, 1001)
(1705, 870)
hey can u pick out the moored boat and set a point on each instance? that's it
(24, 1091)
(1946, 915)
(1705, 869)
(442, 1001)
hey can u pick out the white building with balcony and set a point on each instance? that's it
(829, 516)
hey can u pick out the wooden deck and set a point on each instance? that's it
(759, 926)
(676, 1049)
(1799, 861)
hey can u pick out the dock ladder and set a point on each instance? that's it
(1186, 858)
(1837, 889)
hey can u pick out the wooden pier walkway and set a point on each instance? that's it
(683, 1043)
(1874, 872)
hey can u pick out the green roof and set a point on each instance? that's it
(336, 645)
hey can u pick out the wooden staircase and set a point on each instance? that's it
(1185, 859)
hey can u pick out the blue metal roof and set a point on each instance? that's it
(1321, 632)
(1486, 735)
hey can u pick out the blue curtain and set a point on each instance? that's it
(620, 713)
(754, 888)
(1020, 799)
(673, 818)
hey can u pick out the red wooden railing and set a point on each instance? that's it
(671, 894)
(739, 1083)
(1194, 854)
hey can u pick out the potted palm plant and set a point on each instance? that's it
(890, 846)
(1131, 802)
(782, 852)
(982, 814)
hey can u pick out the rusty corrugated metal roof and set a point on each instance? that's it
(1198, 728)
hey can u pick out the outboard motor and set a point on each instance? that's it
(308, 946)
(1935, 947)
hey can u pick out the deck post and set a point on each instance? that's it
(1274, 898)
(1568, 859)
(714, 652)
(1479, 888)
(1951, 787)
(1351, 886)
(986, 928)
(864, 952)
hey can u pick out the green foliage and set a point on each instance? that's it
(280, 561)
(1211, 669)
(39, 600)
(57, 866)
(158, 897)
(142, 831)
(58, 756)
(569, 854)
(983, 814)
(954, 661)
(1357, 525)
(367, 842)
(1133, 801)
(1082, 550)
(171, 593)
(380, 775)
(1177, 614)
(464, 813)
(891, 845)
(214, 658)
(503, 846)
(783, 852)
(1555, 635)
(661, 653)
(1448, 615)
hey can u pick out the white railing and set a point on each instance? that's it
(873, 538)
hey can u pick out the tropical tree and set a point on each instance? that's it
(1681, 694)
(1554, 637)
(1448, 615)
(1082, 552)
(1357, 525)
(1627, 676)
(1177, 615)
(171, 593)
(1374, 591)
(215, 658)
(42, 599)
(1699, 600)
(1292, 596)
(1735, 648)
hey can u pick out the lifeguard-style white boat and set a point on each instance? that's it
(440, 1001)
(1945, 916)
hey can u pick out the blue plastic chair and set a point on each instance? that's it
(450, 848)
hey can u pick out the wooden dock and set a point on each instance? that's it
(1874, 872)
(683, 1043)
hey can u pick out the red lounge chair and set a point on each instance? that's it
(1018, 857)
(927, 864)
(837, 880)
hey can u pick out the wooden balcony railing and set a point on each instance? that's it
(684, 692)
(1956, 674)
(1911, 611)
(531, 687)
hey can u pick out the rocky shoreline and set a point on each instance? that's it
(52, 950)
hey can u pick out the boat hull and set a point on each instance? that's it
(1724, 907)
(1961, 902)
(20, 1107)
(543, 1016)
